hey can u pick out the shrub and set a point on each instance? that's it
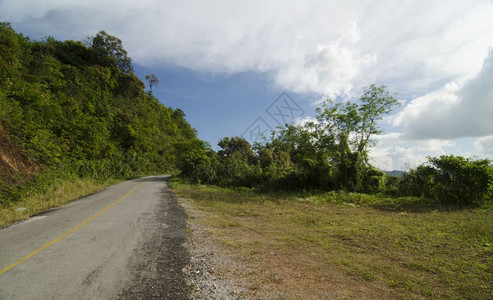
(462, 181)
(451, 180)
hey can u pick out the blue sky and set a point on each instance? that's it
(219, 105)
(225, 62)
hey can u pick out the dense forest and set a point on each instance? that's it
(76, 109)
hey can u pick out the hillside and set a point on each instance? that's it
(395, 173)
(73, 108)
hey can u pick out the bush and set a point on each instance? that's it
(462, 181)
(417, 183)
(450, 180)
(197, 161)
(392, 185)
(374, 181)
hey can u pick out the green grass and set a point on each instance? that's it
(52, 195)
(415, 248)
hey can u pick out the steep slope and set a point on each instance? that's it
(14, 166)
(80, 109)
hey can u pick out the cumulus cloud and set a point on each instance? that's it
(315, 46)
(458, 110)
(431, 52)
(485, 145)
(397, 158)
(395, 153)
(330, 69)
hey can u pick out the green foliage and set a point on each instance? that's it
(240, 146)
(418, 183)
(392, 185)
(109, 51)
(451, 180)
(9, 52)
(462, 181)
(238, 163)
(332, 154)
(152, 81)
(329, 154)
(197, 161)
(344, 131)
(80, 108)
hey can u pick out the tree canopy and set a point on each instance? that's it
(152, 80)
(69, 106)
(329, 153)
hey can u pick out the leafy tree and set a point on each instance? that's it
(345, 131)
(233, 145)
(376, 102)
(152, 80)
(109, 51)
(239, 166)
(197, 161)
(331, 153)
(9, 55)
(309, 163)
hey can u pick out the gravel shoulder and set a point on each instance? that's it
(213, 272)
(158, 262)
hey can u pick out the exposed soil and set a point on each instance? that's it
(14, 166)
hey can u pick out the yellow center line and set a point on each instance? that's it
(69, 232)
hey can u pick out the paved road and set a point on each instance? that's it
(125, 242)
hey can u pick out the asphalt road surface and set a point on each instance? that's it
(126, 242)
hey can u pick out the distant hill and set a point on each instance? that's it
(395, 173)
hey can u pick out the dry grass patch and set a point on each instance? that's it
(326, 250)
(63, 192)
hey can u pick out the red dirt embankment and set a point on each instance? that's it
(15, 167)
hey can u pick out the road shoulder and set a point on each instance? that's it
(213, 272)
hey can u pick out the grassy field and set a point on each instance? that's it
(62, 192)
(341, 245)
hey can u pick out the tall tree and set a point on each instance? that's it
(109, 51)
(376, 101)
(152, 80)
(345, 131)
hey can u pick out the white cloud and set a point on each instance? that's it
(485, 145)
(458, 110)
(434, 52)
(303, 121)
(313, 46)
(395, 153)
(397, 158)
(330, 70)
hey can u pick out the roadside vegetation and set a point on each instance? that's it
(350, 245)
(314, 219)
(331, 154)
(38, 199)
(75, 113)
